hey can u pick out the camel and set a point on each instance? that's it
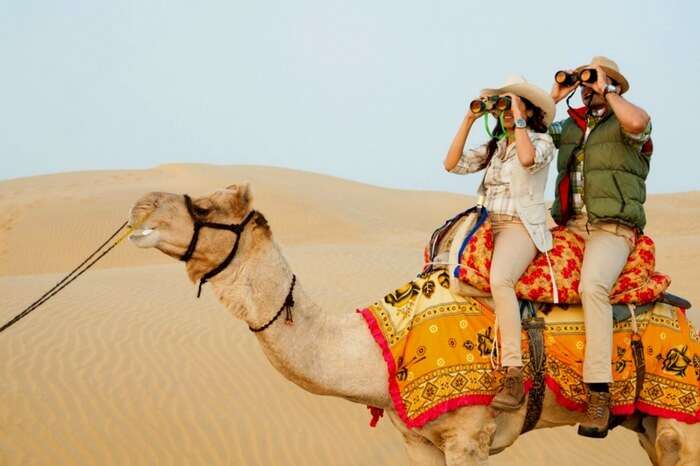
(333, 353)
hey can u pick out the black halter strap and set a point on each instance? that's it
(236, 228)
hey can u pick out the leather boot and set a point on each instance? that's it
(512, 395)
(597, 416)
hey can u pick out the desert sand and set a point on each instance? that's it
(127, 367)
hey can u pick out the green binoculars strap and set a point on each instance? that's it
(488, 130)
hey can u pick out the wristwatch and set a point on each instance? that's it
(610, 88)
(520, 123)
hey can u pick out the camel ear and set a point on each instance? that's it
(244, 195)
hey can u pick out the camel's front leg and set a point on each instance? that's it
(421, 452)
(419, 449)
(466, 436)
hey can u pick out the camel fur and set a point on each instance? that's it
(333, 353)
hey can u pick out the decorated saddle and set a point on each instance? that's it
(438, 346)
(467, 241)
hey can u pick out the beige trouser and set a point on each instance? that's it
(513, 250)
(607, 247)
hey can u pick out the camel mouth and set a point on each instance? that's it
(141, 232)
(144, 237)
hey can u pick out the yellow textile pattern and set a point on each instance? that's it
(437, 346)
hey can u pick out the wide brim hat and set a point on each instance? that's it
(519, 86)
(611, 69)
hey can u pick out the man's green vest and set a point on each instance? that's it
(614, 174)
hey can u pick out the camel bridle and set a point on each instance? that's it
(237, 229)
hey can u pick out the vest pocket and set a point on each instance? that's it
(619, 191)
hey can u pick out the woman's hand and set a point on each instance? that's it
(517, 106)
(558, 91)
(471, 116)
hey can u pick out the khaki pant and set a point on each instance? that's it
(608, 246)
(513, 250)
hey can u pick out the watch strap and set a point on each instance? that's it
(610, 88)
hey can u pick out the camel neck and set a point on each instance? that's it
(326, 353)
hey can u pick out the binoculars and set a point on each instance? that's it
(489, 103)
(586, 75)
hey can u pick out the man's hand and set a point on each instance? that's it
(558, 91)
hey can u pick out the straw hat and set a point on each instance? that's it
(520, 87)
(611, 69)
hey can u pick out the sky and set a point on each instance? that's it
(371, 91)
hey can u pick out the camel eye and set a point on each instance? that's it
(200, 211)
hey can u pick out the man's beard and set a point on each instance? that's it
(593, 103)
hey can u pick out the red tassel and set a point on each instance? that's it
(376, 414)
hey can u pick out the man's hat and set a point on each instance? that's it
(520, 87)
(611, 69)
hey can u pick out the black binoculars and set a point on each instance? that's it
(489, 103)
(586, 75)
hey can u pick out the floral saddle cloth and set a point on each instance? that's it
(470, 239)
(439, 346)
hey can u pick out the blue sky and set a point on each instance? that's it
(366, 90)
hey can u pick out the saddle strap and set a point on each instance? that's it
(535, 399)
(639, 364)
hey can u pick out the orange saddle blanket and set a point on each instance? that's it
(438, 348)
(638, 283)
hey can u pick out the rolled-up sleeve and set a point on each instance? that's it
(544, 151)
(637, 140)
(555, 130)
(471, 161)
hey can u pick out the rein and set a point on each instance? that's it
(236, 228)
(80, 269)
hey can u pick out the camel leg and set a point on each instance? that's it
(648, 439)
(421, 452)
(419, 448)
(677, 443)
(466, 436)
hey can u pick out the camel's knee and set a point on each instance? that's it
(669, 446)
(464, 448)
(677, 443)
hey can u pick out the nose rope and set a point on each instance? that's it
(81, 268)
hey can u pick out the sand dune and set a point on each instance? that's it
(126, 367)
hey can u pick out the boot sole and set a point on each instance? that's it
(592, 432)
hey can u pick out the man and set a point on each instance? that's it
(603, 163)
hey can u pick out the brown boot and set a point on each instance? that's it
(597, 416)
(512, 395)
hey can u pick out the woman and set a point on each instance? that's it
(516, 160)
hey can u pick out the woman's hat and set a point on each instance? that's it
(611, 69)
(520, 87)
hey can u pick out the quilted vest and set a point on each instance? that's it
(614, 174)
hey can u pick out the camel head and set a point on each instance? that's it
(164, 222)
